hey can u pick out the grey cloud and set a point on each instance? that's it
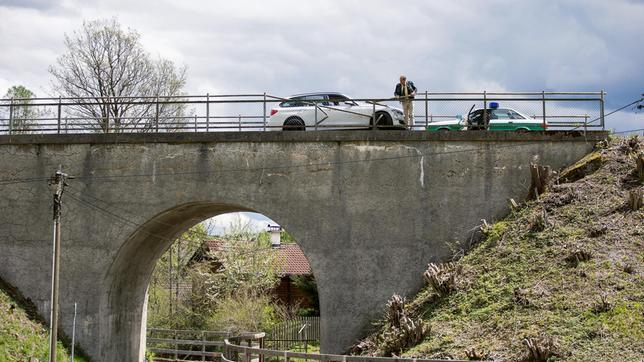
(30, 4)
(361, 47)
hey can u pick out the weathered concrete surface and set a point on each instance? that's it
(370, 210)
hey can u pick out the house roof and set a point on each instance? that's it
(290, 259)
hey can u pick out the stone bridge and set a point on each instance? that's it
(369, 209)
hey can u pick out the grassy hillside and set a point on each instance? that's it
(569, 285)
(22, 339)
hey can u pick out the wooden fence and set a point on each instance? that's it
(294, 332)
(246, 347)
(235, 351)
(182, 345)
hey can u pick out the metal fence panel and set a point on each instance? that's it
(250, 112)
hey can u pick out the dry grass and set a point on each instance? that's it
(518, 295)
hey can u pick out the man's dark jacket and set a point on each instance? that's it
(411, 88)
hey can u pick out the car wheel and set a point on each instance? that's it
(443, 130)
(383, 120)
(293, 124)
(522, 130)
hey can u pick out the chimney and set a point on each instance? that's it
(275, 231)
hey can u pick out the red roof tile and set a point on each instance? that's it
(291, 260)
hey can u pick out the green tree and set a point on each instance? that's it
(168, 284)
(22, 114)
(105, 63)
(232, 286)
(229, 288)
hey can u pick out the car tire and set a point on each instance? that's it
(522, 130)
(293, 123)
(444, 130)
(384, 120)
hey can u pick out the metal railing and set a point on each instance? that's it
(251, 112)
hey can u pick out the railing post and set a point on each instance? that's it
(485, 120)
(426, 110)
(543, 105)
(207, 112)
(11, 116)
(315, 103)
(59, 106)
(373, 116)
(247, 355)
(107, 115)
(240, 123)
(176, 345)
(156, 119)
(196, 127)
(601, 109)
(203, 345)
(264, 111)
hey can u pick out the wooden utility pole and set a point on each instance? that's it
(58, 183)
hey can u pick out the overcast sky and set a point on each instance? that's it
(357, 47)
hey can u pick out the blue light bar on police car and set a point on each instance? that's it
(494, 105)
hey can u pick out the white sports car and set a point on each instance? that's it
(327, 111)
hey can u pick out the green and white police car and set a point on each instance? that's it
(500, 119)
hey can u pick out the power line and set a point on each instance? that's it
(608, 114)
(629, 131)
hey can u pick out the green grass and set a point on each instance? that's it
(22, 339)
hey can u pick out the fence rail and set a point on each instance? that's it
(180, 345)
(293, 332)
(235, 352)
(251, 112)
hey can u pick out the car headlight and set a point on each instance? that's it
(398, 112)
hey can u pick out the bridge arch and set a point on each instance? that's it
(123, 302)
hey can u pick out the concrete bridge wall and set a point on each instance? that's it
(369, 209)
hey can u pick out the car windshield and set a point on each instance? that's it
(515, 115)
(500, 114)
(319, 99)
(294, 102)
(503, 113)
(336, 99)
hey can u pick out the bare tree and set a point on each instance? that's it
(108, 65)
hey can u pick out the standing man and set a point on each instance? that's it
(405, 92)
